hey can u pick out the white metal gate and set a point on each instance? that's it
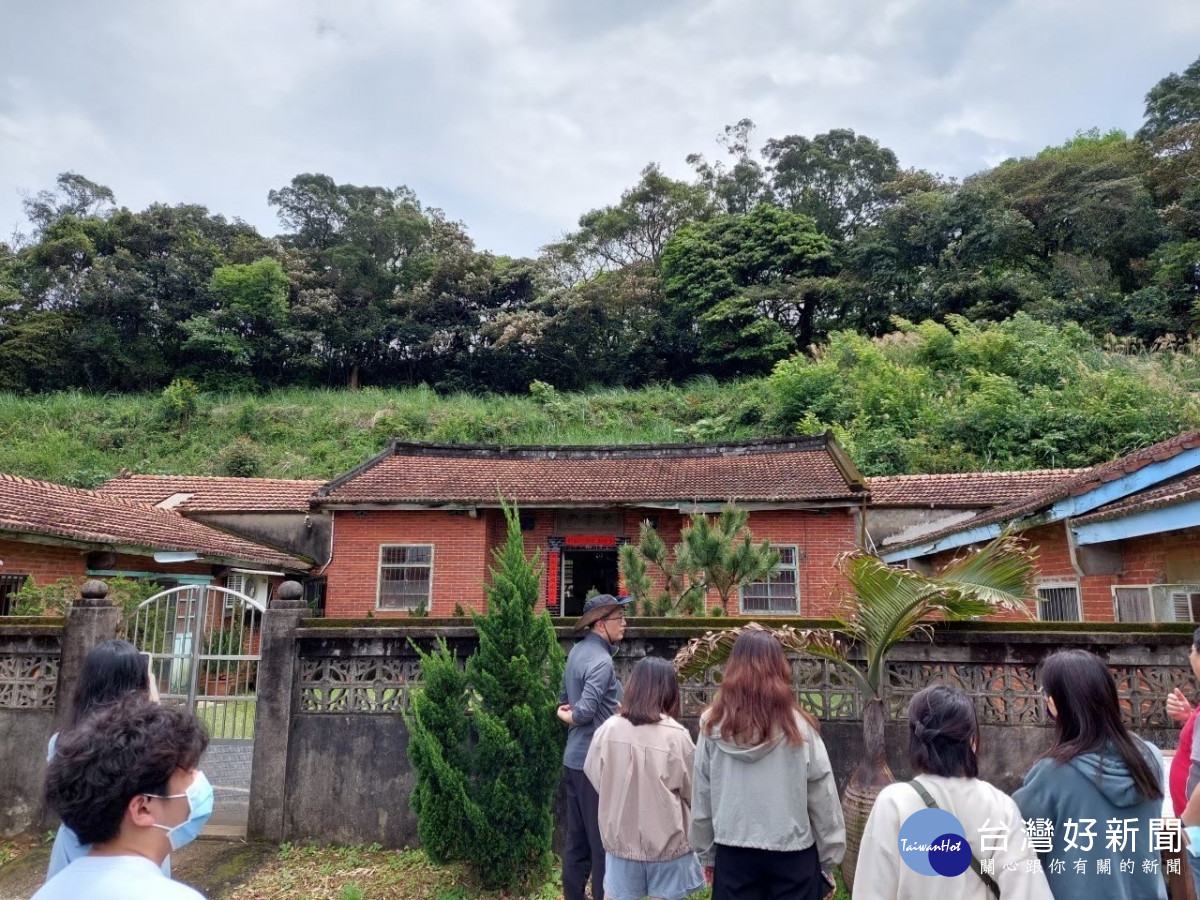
(203, 643)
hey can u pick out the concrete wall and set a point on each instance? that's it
(905, 523)
(342, 773)
(305, 534)
(40, 662)
(29, 657)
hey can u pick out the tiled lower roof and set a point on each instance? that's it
(1180, 491)
(54, 510)
(791, 469)
(965, 489)
(1085, 481)
(197, 493)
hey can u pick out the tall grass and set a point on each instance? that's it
(81, 439)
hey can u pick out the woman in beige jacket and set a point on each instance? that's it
(640, 763)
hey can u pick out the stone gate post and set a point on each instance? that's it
(273, 719)
(92, 619)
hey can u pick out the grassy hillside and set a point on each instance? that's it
(927, 398)
(81, 439)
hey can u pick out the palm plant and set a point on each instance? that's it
(885, 606)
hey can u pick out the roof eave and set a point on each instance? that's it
(49, 538)
(455, 505)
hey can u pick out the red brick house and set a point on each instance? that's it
(417, 524)
(49, 531)
(905, 507)
(272, 511)
(1118, 542)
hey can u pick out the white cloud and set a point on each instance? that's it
(518, 115)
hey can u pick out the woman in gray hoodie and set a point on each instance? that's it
(1099, 788)
(766, 820)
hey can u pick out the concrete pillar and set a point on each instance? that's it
(277, 673)
(92, 619)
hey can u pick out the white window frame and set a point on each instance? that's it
(795, 566)
(1148, 588)
(379, 577)
(1059, 584)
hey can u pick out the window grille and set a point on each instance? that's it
(781, 592)
(1059, 603)
(9, 585)
(405, 576)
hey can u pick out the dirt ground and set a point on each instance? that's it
(214, 867)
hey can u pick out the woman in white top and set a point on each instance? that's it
(942, 748)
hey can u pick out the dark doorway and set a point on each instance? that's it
(585, 572)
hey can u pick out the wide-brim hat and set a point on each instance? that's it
(598, 607)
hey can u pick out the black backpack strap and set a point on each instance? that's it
(975, 867)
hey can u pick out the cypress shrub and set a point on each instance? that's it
(485, 742)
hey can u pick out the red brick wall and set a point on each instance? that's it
(463, 552)
(44, 562)
(459, 559)
(1146, 561)
(47, 563)
(820, 539)
(128, 563)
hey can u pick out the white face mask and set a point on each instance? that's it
(200, 806)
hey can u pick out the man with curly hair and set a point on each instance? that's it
(125, 780)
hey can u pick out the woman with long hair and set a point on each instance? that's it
(112, 671)
(1095, 771)
(640, 762)
(943, 747)
(766, 820)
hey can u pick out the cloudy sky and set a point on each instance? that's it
(515, 116)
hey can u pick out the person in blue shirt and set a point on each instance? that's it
(112, 671)
(1095, 771)
(126, 781)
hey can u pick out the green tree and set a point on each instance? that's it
(718, 556)
(1087, 196)
(744, 286)
(74, 196)
(738, 188)
(722, 556)
(836, 178)
(677, 596)
(504, 782)
(363, 246)
(245, 334)
(1174, 101)
(439, 745)
(634, 230)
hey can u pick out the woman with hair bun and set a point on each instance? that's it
(943, 747)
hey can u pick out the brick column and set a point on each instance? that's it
(92, 619)
(276, 705)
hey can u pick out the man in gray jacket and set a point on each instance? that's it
(590, 694)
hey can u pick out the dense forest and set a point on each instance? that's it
(766, 252)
